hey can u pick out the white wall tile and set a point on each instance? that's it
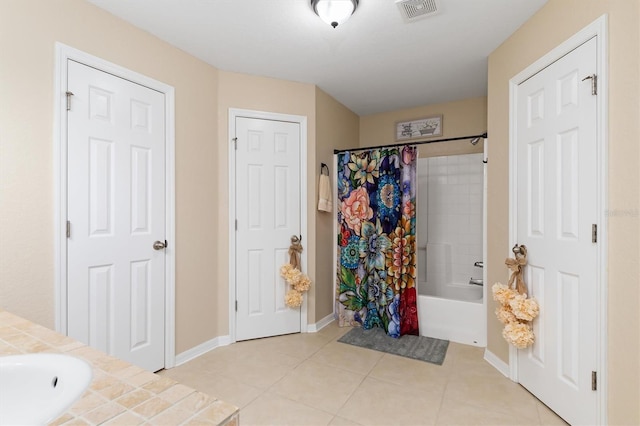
(451, 188)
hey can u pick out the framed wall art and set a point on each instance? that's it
(419, 129)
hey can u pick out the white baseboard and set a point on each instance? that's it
(219, 341)
(314, 328)
(496, 362)
(202, 349)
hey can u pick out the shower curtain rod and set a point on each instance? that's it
(484, 136)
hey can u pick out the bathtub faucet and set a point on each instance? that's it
(476, 281)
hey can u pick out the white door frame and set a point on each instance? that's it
(63, 53)
(597, 28)
(262, 115)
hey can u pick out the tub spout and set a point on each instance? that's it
(479, 264)
(476, 281)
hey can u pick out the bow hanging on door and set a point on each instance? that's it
(516, 311)
(293, 275)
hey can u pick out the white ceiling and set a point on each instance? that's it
(374, 62)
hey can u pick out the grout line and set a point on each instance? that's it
(361, 382)
(444, 392)
(303, 360)
(355, 389)
(251, 401)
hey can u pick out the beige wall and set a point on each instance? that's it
(203, 97)
(271, 95)
(28, 31)
(337, 128)
(460, 118)
(554, 23)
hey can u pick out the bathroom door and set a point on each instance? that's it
(268, 214)
(556, 164)
(116, 213)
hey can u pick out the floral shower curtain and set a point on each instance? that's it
(376, 240)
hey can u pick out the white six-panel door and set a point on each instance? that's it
(116, 210)
(556, 209)
(268, 211)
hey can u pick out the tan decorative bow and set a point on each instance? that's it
(517, 270)
(294, 252)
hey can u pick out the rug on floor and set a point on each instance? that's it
(415, 347)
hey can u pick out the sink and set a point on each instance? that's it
(38, 388)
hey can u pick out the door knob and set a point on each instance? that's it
(159, 245)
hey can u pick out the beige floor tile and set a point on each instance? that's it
(267, 352)
(186, 374)
(347, 357)
(210, 362)
(270, 409)
(410, 372)
(339, 421)
(299, 345)
(466, 360)
(454, 413)
(333, 331)
(479, 368)
(255, 345)
(449, 356)
(229, 390)
(237, 349)
(499, 394)
(319, 386)
(380, 403)
(547, 416)
(309, 379)
(260, 350)
(462, 352)
(255, 371)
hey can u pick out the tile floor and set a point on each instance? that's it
(311, 379)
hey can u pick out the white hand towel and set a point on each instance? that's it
(324, 194)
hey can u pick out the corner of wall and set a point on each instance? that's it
(336, 127)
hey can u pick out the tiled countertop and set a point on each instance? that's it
(120, 393)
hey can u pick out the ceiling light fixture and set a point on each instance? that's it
(334, 12)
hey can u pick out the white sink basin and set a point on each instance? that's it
(37, 388)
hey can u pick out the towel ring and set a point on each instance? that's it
(323, 166)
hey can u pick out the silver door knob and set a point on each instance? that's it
(159, 245)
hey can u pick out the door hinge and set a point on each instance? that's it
(236, 306)
(594, 83)
(594, 233)
(69, 95)
(594, 380)
(235, 143)
(236, 224)
(68, 229)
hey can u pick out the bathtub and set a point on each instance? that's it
(464, 292)
(453, 312)
(450, 230)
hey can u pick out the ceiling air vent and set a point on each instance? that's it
(412, 10)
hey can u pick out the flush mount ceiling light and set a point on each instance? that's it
(334, 12)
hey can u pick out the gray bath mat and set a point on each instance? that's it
(416, 347)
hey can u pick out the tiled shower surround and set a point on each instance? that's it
(449, 219)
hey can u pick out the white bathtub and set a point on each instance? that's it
(464, 292)
(453, 312)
